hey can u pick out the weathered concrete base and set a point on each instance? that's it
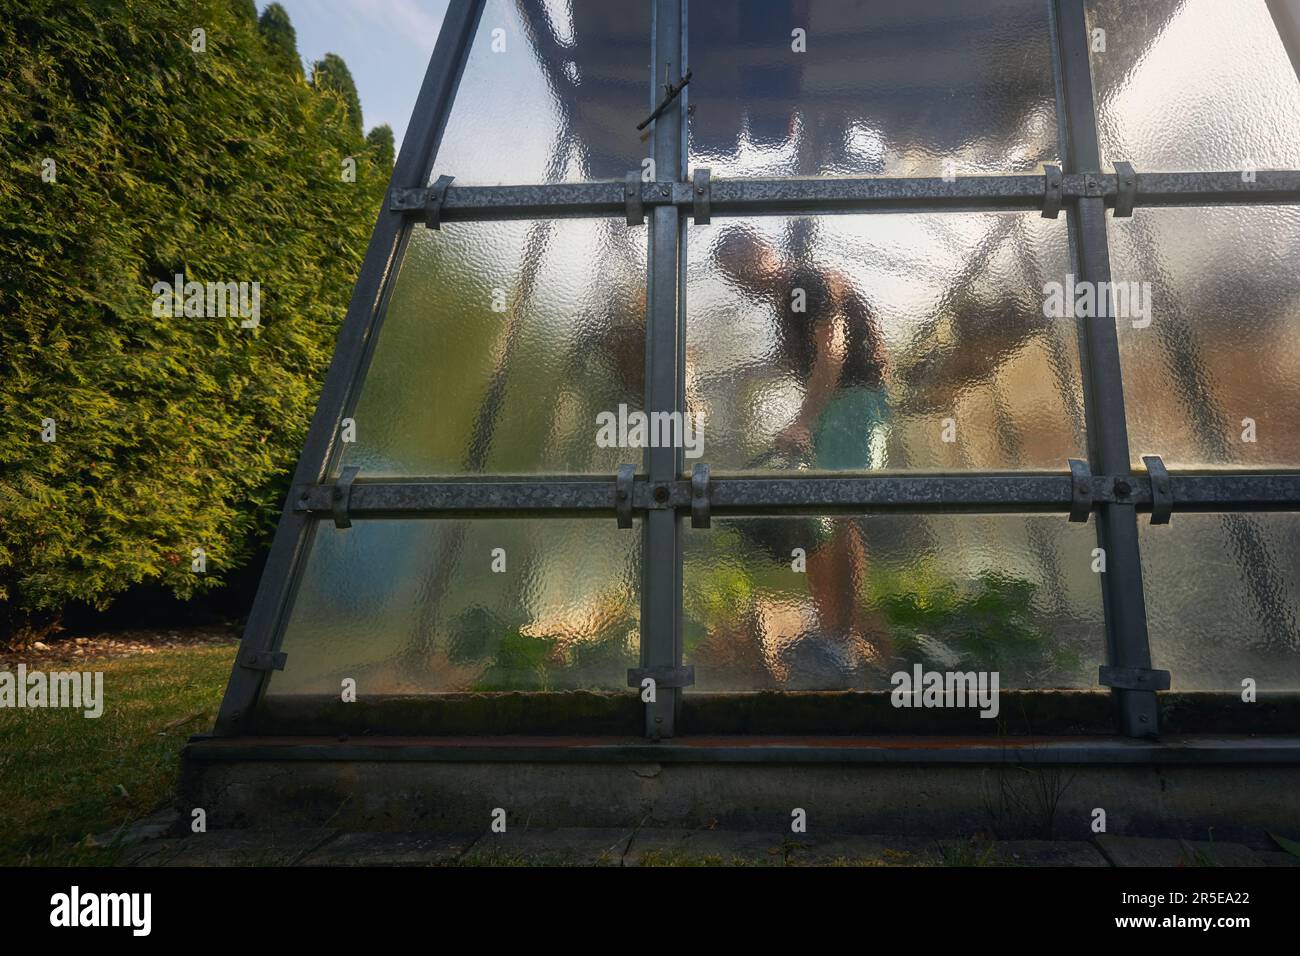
(930, 801)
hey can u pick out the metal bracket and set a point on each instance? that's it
(703, 193)
(1126, 181)
(623, 495)
(700, 496)
(263, 660)
(1080, 489)
(1133, 678)
(1052, 193)
(341, 496)
(662, 676)
(632, 199)
(433, 200)
(1162, 490)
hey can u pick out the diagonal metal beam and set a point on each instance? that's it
(387, 242)
(1122, 595)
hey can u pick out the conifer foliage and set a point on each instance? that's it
(143, 140)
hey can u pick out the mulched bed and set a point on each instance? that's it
(114, 644)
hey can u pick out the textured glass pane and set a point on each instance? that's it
(417, 607)
(880, 88)
(457, 386)
(1194, 85)
(1219, 363)
(921, 344)
(552, 93)
(1223, 599)
(880, 594)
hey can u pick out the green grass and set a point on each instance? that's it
(63, 776)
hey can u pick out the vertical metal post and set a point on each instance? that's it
(387, 242)
(1122, 594)
(661, 594)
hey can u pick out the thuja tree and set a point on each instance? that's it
(142, 141)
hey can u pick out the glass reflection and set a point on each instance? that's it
(871, 87)
(1010, 594)
(1198, 85)
(552, 93)
(891, 342)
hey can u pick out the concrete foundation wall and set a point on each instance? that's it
(1197, 801)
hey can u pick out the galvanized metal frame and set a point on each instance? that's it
(972, 493)
(387, 243)
(783, 197)
(1127, 641)
(661, 566)
(661, 495)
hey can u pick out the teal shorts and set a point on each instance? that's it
(850, 434)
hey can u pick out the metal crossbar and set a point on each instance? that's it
(660, 495)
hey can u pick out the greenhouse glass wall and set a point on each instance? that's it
(733, 367)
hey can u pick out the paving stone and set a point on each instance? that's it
(1276, 858)
(664, 847)
(851, 849)
(150, 828)
(236, 848)
(153, 853)
(1047, 853)
(1145, 851)
(567, 847)
(391, 849)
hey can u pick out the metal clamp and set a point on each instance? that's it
(1052, 193)
(1162, 489)
(433, 201)
(700, 496)
(341, 496)
(1126, 181)
(662, 676)
(703, 192)
(1133, 678)
(623, 495)
(263, 660)
(1080, 490)
(632, 199)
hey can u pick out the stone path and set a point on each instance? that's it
(664, 847)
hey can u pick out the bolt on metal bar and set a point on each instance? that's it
(414, 165)
(771, 197)
(1123, 599)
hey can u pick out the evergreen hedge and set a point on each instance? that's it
(220, 165)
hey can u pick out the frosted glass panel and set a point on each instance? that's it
(1010, 594)
(879, 88)
(1223, 599)
(1223, 343)
(416, 607)
(921, 344)
(552, 93)
(1195, 85)
(458, 387)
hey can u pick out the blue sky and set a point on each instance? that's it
(385, 43)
